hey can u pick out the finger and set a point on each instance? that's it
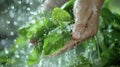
(82, 13)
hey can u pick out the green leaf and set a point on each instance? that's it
(55, 40)
(110, 18)
(60, 16)
(34, 57)
(68, 6)
(37, 30)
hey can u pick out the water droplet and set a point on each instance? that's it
(19, 2)
(16, 46)
(15, 23)
(8, 22)
(12, 7)
(34, 13)
(28, 9)
(59, 31)
(110, 30)
(11, 33)
(26, 56)
(17, 56)
(6, 51)
(31, 3)
(14, 40)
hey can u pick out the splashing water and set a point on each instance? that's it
(64, 60)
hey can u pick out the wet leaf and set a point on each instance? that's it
(55, 40)
(60, 16)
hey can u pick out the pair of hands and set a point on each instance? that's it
(86, 13)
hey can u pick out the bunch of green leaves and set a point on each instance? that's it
(49, 33)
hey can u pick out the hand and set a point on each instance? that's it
(86, 14)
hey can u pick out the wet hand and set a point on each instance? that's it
(86, 13)
(86, 19)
